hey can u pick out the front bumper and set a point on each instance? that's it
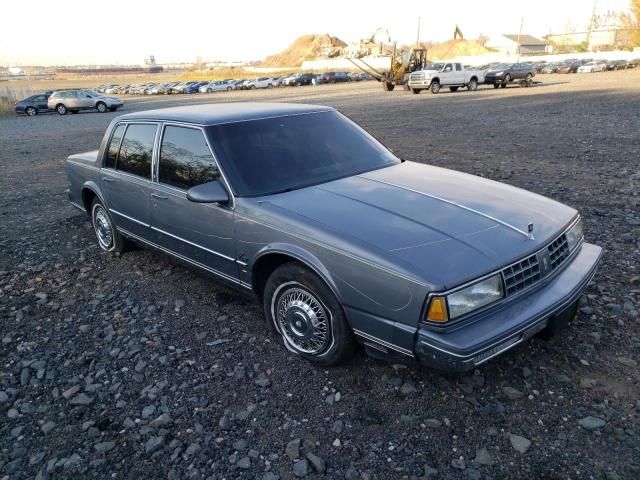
(494, 80)
(472, 344)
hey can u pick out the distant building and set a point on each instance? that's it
(514, 44)
(599, 39)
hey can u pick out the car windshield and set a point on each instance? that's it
(268, 156)
(502, 66)
(435, 66)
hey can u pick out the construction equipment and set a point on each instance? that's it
(457, 34)
(403, 63)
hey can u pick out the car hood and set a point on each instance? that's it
(441, 226)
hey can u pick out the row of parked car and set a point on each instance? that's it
(229, 84)
(574, 65)
(585, 65)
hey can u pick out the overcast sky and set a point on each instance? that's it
(50, 32)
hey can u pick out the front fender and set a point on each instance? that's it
(303, 256)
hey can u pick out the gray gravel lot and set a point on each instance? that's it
(135, 367)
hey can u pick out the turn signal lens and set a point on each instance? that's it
(438, 310)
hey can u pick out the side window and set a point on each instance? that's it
(136, 150)
(448, 67)
(114, 147)
(458, 67)
(185, 158)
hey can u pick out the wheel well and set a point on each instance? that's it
(435, 80)
(264, 267)
(88, 196)
(474, 78)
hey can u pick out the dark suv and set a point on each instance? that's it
(334, 77)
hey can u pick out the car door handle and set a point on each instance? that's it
(107, 179)
(158, 196)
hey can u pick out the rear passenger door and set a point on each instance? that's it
(126, 176)
(200, 233)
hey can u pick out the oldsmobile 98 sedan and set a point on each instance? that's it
(341, 241)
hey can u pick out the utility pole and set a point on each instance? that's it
(418, 37)
(591, 22)
(519, 35)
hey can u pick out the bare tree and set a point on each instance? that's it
(631, 22)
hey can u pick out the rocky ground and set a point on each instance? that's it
(135, 367)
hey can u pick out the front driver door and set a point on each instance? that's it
(201, 233)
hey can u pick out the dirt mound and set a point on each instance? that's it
(306, 47)
(456, 48)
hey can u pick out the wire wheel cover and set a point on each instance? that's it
(303, 321)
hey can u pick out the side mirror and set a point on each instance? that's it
(210, 192)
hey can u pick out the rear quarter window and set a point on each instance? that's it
(114, 147)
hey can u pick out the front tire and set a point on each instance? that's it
(61, 109)
(435, 87)
(108, 237)
(101, 107)
(31, 111)
(305, 313)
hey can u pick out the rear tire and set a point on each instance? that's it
(472, 86)
(305, 313)
(388, 86)
(416, 90)
(496, 85)
(61, 109)
(109, 239)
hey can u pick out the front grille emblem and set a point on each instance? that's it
(530, 231)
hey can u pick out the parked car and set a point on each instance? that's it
(33, 105)
(193, 88)
(594, 66)
(261, 82)
(334, 77)
(338, 244)
(569, 67)
(505, 73)
(445, 74)
(618, 65)
(216, 86)
(63, 101)
(300, 79)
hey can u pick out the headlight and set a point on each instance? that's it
(497, 74)
(574, 235)
(444, 308)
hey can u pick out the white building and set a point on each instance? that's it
(508, 45)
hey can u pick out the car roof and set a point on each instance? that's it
(214, 114)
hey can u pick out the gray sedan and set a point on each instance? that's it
(342, 242)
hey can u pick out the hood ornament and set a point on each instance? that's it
(530, 231)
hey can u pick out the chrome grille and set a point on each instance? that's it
(558, 251)
(417, 76)
(532, 269)
(521, 275)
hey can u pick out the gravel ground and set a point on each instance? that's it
(136, 367)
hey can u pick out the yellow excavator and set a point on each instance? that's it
(403, 63)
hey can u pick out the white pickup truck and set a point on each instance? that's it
(445, 74)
